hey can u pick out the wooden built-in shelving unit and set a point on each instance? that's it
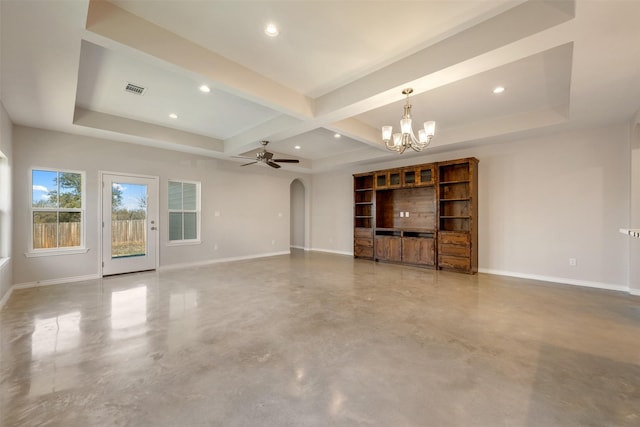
(422, 215)
(364, 207)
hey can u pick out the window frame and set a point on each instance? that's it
(66, 250)
(197, 211)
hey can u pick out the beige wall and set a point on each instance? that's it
(542, 201)
(245, 211)
(332, 212)
(6, 143)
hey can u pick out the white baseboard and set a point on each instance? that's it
(304, 248)
(219, 260)
(561, 280)
(59, 281)
(6, 297)
(332, 251)
(635, 292)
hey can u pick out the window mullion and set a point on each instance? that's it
(182, 208)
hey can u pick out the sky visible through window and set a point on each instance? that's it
(132, 195)
(45, 181)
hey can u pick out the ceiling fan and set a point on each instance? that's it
(266, 158)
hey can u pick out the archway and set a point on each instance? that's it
(297, 215)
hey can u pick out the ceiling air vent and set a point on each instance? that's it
(135, 89)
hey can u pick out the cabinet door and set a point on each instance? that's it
(382, 180)
(388, 248)
(395, 179)
(388, 179)
(409, 177)
(419, 250)
(425, 175)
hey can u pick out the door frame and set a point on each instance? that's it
(100, 214)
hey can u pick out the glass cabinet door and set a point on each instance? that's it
(409, 177)
(395, 180)
(424, 175)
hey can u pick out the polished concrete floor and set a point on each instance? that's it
(317, 339)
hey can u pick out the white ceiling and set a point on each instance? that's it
(336, 67)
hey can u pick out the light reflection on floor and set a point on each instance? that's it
(129, 312)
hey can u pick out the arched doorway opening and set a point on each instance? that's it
(297, 215)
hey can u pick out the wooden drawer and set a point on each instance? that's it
(455, 250)
(363, 242)
(453, 262)
(363, 251)
(363, 232)
(454, 238)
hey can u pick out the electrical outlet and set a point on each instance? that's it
(401, 214)
(406, 214)
(273, 243)
(573, 262)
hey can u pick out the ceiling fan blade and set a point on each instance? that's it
(286, 160)
(247, 164)
(274, 165)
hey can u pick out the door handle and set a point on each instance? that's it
(154, 228)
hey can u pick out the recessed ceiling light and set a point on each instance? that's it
(336, 135)
(205, 89)
(498, 89)
(297, 147)
(271, 30)
(173, 115)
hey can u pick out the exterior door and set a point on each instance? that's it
(129, 223)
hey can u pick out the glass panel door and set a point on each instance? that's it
(128, 219)
(129, 224)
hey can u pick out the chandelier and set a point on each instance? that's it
(406, 138)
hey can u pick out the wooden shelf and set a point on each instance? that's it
(364, 189)
(463, 181)
(466, 199)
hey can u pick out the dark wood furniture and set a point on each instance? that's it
(458, 213)
(363, 215)
(422, 215)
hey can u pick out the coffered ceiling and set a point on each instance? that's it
(335, 67)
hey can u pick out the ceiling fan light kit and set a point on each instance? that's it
(406, 138)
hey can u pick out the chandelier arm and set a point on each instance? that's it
(414, 140)
(424, 145)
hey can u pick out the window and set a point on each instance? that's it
(57, 210)
(184, 211)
